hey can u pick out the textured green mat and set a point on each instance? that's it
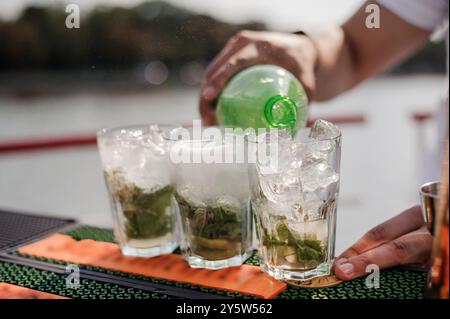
(394, 284)
(56, 284)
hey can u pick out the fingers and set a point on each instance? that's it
(216, 81)
(411, 219)
(412, 248)
(206, 111)
(243, 59)
(234, 45)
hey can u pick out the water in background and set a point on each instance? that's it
(380, 159)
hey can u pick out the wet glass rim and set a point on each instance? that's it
(294, 142)
(430, 189)
(107, 132)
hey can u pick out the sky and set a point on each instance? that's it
(282, 15)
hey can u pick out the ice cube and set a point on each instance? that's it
(139, 154)
(282, 187)
(308, 208)
(275, 156)
(264, 209)
(321, 148)
(308, 147)
(145, 168)
(316, 173)
(154, 140)
(323, 130)
(311, 205)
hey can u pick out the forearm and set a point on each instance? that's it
(350, 54)
(335, 68)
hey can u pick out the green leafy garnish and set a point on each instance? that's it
(215, 230)
(147, 213)
(285, 248)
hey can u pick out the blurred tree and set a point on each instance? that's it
(112, 37)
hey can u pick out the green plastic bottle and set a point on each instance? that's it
(263, 96)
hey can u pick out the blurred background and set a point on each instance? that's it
(137, 61)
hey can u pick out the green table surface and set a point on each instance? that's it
(394, 283)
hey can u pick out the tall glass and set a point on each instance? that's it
(294, 200)
(213, 198)
(135, 166)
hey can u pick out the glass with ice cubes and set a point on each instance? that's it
(212, 191)
(294, 193)
(135, 166)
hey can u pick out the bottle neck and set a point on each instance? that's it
(281, 112)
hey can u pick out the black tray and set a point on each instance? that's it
(18, 229)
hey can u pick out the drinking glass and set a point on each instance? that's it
(430, 203)
(294, 193)
(213, 197)
(135, 166)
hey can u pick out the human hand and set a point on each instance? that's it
(401, 240)
(295, 53)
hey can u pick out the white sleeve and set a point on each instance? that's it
(424, 14)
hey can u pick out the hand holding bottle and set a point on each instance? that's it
(295, 53)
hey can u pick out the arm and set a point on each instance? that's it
(327, 64)
(352, 53)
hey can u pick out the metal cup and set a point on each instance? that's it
(429, 198)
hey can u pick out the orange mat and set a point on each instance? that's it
(8, 291)
(245, 279)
